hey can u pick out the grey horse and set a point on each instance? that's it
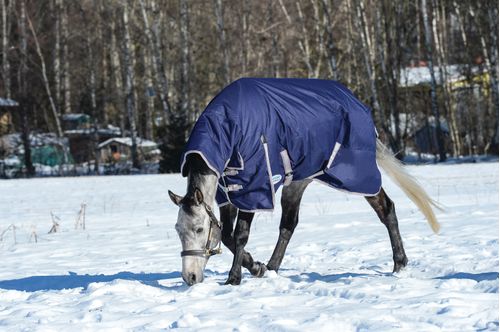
(201, 233)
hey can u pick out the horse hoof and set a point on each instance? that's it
(260, 270)
(398, 267)
(233, 281)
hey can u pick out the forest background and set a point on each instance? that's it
(427, 68)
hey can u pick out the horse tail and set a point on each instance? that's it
(394, 168)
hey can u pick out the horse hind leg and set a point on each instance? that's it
(290, 203)
(384, 207)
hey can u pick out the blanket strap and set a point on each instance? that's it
(288, 167)
(230, 172)
(234, 187)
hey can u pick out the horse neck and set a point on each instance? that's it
(205, 182)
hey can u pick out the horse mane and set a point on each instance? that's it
(197, 170)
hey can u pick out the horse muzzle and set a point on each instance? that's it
(192, 278)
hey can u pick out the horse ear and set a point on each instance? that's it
(198, 196)
(175, 198)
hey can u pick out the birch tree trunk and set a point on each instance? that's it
(490, 52)
(304, 42)
(153, 39)
(92, 79)
(23, 91)
(320, 38)
(92, 84)
(370, 71)
(6, 14)
(150, 107)
(244, 39)
(53, 107)
(388, 75)
(275, 61)
(129, 85)
(330, 49)
(185, 63)
(66, 64)
(118, 77)
(440, 37)
(57, 53)
(103, 34)
(453, 109)
(350, 36)
(221, 31)
(493, 27)
(430, 65)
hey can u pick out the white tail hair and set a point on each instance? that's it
(394, 168)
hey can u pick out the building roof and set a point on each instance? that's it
(5, 102)
(142, 143)
(412, 76)
(75, 117)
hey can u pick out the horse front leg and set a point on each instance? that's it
(384, 207)
(290, 203)
(241, 233)
(228, 214)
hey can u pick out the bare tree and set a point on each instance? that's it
(65, 58)
(150, 102)
(430, 65)
(184, 99)
(153, 38)
(25, 101)
(129, 84)
(304, 44)
(57, 53)
(330, 49)
(389, 63)
(6, 13)
(244, 18)
(117, 74)
(221, 31)
(45, 79)
(370, 70)
(80, 62)
(272, 27)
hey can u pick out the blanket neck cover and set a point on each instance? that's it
(260, 133)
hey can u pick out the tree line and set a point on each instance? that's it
(150, 66)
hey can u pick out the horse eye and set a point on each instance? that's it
(199, 230)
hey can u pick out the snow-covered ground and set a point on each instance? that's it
(123, 271)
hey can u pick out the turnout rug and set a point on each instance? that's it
(260, 133)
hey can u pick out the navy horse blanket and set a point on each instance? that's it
(260, 133)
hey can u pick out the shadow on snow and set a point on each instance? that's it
(313, 276)
(73, 280)
(473, 276)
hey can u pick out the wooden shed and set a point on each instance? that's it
(118, 150)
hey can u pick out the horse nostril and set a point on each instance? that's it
(190, 279)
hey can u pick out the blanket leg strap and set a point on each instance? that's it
(288, 167)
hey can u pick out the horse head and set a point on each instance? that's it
(198, 228)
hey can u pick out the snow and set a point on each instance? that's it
(123, 271)
(141, 142)
(5, 102)
(411, 76)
